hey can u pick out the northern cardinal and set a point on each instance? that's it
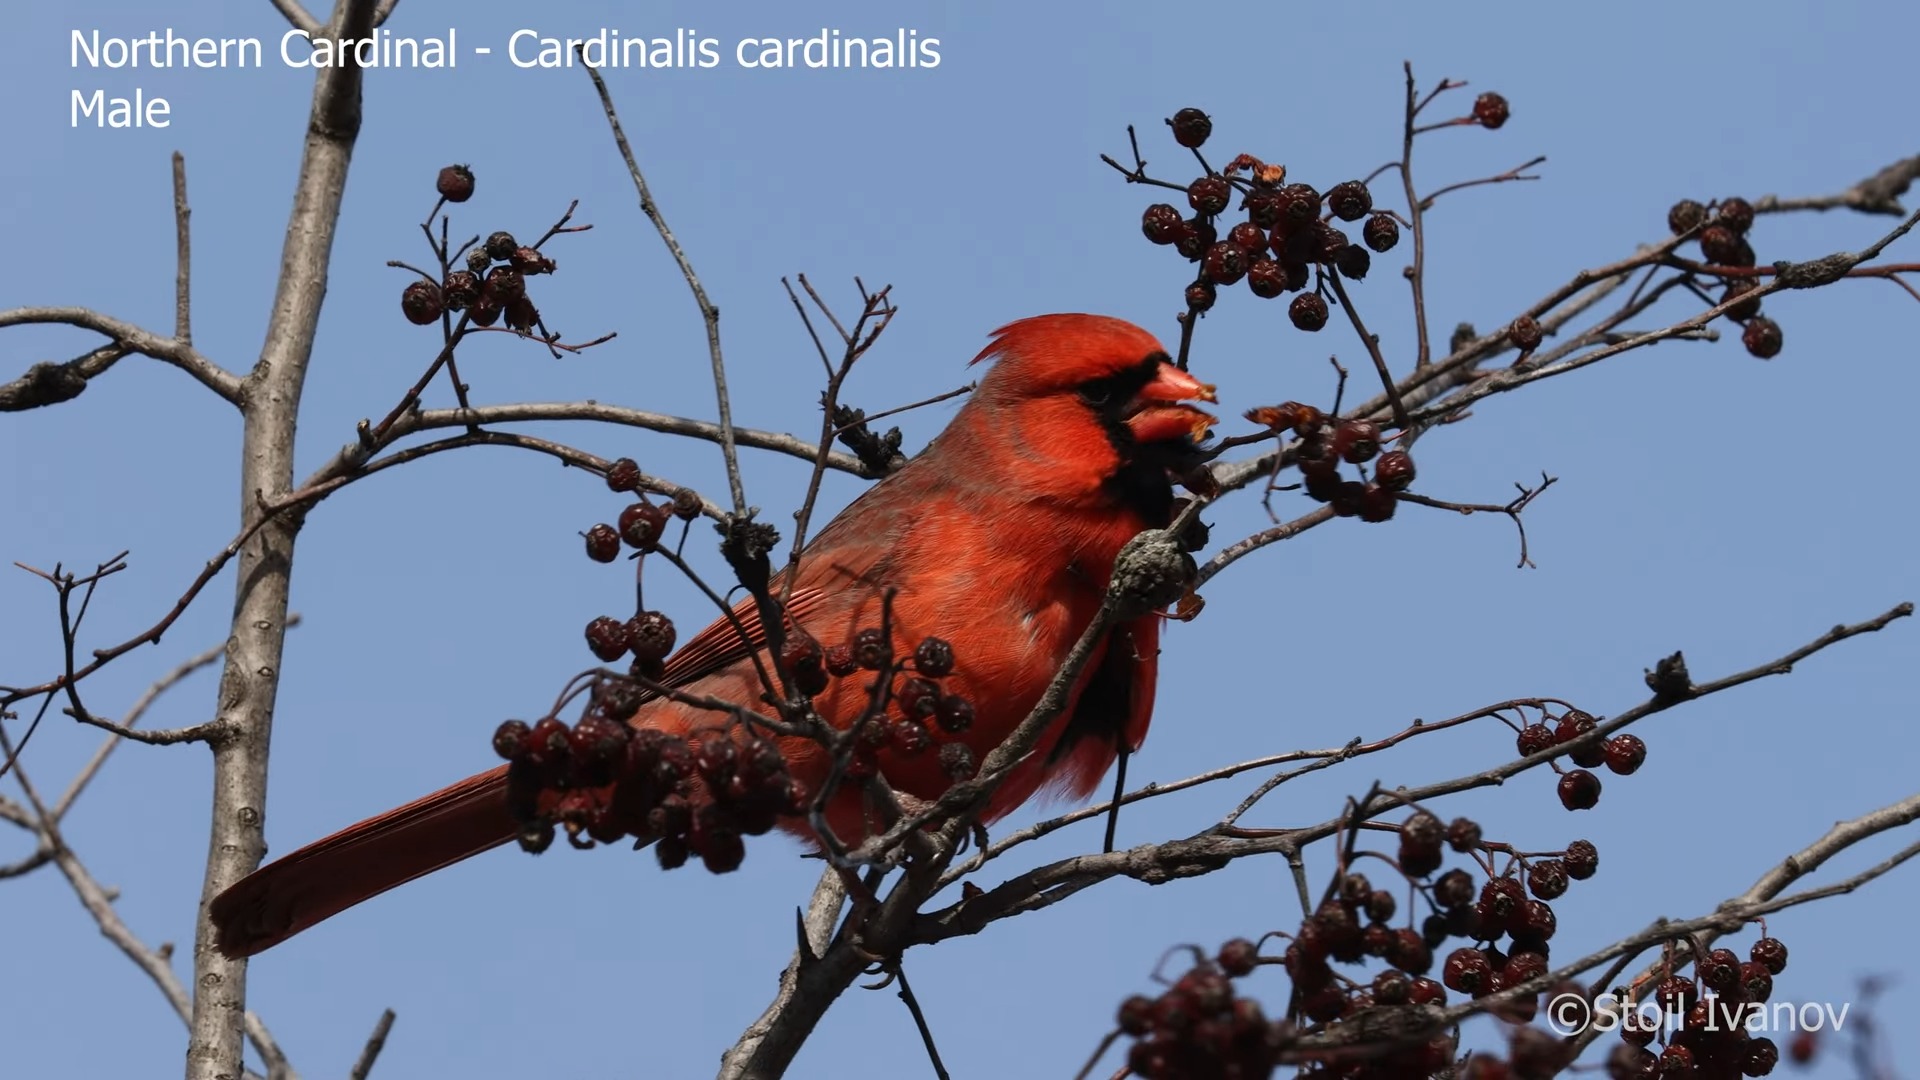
(999, 538)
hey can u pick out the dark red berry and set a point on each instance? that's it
(607, 637)
(510, 738)
(1191, 128)
(1328, 242)
(1500, 904)
(1685, 216)
(1380, 905)
(536, 837)
(1720, 245)
(870, 649)
(1381, 232)
(1803, 1047)
(806, 663)
(1209, 195)
(1762, 337)
(603, 543)
(529, 261)
(1395, 470)
(1267, 278)
(956, 760)
(1533, 739)
(1524, 333)
(1490, 110)
(1201, 296)
(1377, 504)
(1625, 753)
(1770, 953)
(1547, 879)
(1225, 263)
(1162, 224)
(460, 289)
(933, 658)
(1453, 889)
(1574, 725)
(954, 714)
(1582, 860)
(1356, 441)
(919, 699)
(650, 635)
(1735, 214)
(1308, 311)
(1350, 200)
(484, 311)
(623, 475)
(501, 245)
(420, 302)
(1263, 207)
(1239, 957)
(1136, 1015)
(1464, 835)
(1744, 309)
(840, 661)
(455, 183)
(1467, 971)
(1761, 1055)
(1196, 239)
(1353, 262)
(642, 524)
(1579, 790)
(1248, 237)
(909, 737)
(686, 504)
(1299, 204)
(505, 284)
(521, 314)
(1347, 497)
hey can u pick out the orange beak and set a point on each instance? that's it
(1157, 414)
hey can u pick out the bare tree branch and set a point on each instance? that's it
(133, 339)
(376, 1042)
(299, 16)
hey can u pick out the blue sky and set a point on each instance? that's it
(1708, 501)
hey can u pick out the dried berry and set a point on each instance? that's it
(1248, 237)
(455, 183)
(1735, 214)
(1194, 241)
(871, 650)
(510, 738)
(650, 635)
(642, 525)
(1353, 262)
(1770, 953)
(1395, 470)
(1381, 232)
(1377, 503)
(1720, 245)
(603, 543)
(1308, 311)
(1582, 859)
(1209, 195)
(501, 245)
(1762, 337)
(1350, 200)
(1490, 110)
(1625, 753)
(1299, 204)
(1547, 879)
(1524, 333)
(1745, 309)
(1191, 128)
(1356, 441)
(686, 504)
(1267, 278)
(1686, 216)
(1533, 739)
(954, 714)
(1162, 224)
(607, 637)
(460, 289)
(1579, 790)
(623, 475)
(1225, 263)
(484, 311)
(529, 261)
(420, 302)
(1201, 296)
(505, 285)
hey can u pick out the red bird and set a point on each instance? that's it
(999, 538)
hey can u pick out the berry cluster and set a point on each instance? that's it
(1704, 1020)
(924, 716)
(1579, 788)
(1326, 443)
(1722, 233)
(1286, 232)
(494, 283)
(649, 635)
(603, 780)
(1199, 1027)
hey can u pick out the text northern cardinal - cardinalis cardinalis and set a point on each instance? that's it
(999, 539)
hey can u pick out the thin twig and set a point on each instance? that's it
(376, 1042)
(183, 255)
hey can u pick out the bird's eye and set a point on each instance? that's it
(1096, 395)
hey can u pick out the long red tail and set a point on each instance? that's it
(362, 861)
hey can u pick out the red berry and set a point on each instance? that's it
(1756, 984)
(1625, 753)
(1582, 859)
(1761, 1055)
(1392, 987)
(1467, 971)
(1574, 725)
(954, 714)
(1225, 263)
(623, 475)
(1299, 204)
(642, 524)
(1209, 195)
(1353, 262)
(1490, 110)
(1162, 224)
(1547, 879)
(1745, 309)
(1381, 232)
(1720, 245)
(1350, 200)
(1201, 296)
(1196, 239)
(603, 544)
(1803, 1046)
(501, 245)
(1453, 889)
(807, 664)
(1191, 128)
(1347, 497)
(1356, 441)
(1249, 237)
(919, 699)
(484, 311)
(1263, 207)
(1239, 956)
(909, 737)
(686, 504)
(529, 261)
(510, 738)
(933, 658)
(840, 661)
(1500, 904)
(420, 302)
(1579, 790)
(1676, 1062)
(1308, 311)
(607, 637)
(460, 289)
(1762, 337)
(1685, 216)
(1464, 835)
(1328, 242)
(1377, 504)
(1770, 953)
(1534, 738)
(455, 183)
(1524, 333)
(521, 314)
(1136, 1015)
(870, 649)
(650, 635)
(1395, 470)
(1735, 214)
(1267, 278)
